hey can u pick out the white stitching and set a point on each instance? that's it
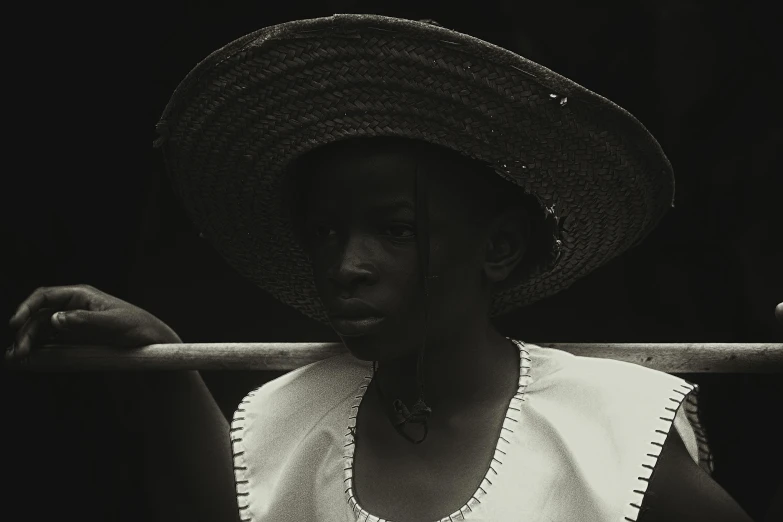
(680, 399)
(524, 378)
(241, 478)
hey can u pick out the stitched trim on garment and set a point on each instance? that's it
(692, 412)
(685, 393)
(241, 479)
(513, 413)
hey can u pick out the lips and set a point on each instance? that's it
(353, 309)
(353, 317)
(356, 326)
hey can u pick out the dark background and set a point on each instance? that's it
(702, 77)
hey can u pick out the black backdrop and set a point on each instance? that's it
(701, 77)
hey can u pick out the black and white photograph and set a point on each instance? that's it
(375, 261)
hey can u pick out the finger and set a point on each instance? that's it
(59, 297)
(779, 312)
(86, 325)
(33, 332)
(74, 320)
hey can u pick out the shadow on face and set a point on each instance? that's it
(356, 218)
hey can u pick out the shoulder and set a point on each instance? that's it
(598, 377)
(679, 490)
(283, 431)
(306, 391)
(638, 404)
(635, 402)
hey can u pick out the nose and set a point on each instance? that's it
(353, 265)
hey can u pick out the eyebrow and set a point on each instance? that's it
(383, 207)
(397, 203)
(392, 205)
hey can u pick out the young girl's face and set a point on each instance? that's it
(360, 231)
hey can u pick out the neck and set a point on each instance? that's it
(462, 369)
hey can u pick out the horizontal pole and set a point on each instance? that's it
(666, 357)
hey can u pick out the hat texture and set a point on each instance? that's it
(240, 117)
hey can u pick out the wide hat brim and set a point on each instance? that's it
(244, 113)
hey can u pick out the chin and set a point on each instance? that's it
(374, 347)
(364, 347)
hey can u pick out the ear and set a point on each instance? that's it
(507, 243)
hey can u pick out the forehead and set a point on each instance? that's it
(365, 173)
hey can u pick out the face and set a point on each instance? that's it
(359, 228)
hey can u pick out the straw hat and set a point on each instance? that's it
(239, 118)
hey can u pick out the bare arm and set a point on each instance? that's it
(680, 491)
(188, 467)
(188, 464)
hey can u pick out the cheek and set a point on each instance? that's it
(458, 279)
(318, 267)
(400, 283)
(395, 271)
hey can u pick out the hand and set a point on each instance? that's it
(779, 312)
(81, 314)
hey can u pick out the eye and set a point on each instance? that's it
(401, 231)
(321, 230)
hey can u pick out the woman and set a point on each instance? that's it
(405, 184)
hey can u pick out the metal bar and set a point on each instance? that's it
(666, 357)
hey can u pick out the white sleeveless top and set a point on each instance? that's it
(580, 441)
